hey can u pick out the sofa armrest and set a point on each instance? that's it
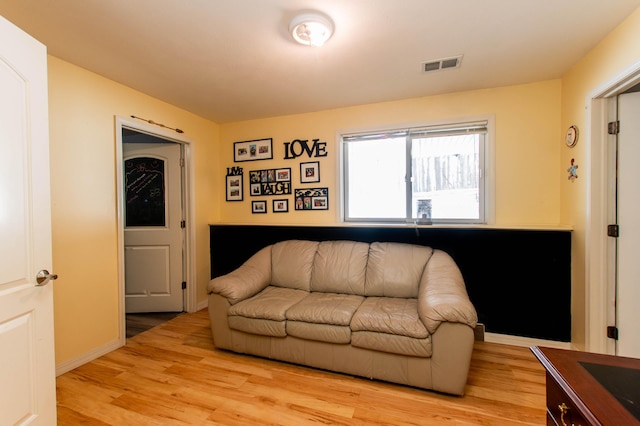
(248, 280)
(442, 296)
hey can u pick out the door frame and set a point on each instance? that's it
(600, 255)
(190, 302)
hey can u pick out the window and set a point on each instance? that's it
(145, 192)
(430, 174)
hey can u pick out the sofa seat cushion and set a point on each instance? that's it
(325, 308)
(265, 312)
(340, 334)
(324, 317)
(262, 327)
(392, 343)
(390, 315)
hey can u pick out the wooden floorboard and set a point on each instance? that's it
(137, 323)
(172, 374)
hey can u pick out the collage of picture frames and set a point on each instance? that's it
(276, 184)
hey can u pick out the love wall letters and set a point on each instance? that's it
(297, 147)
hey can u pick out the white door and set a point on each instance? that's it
(628, 286)
(153, 235)
(27, 360)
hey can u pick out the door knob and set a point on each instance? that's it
(43, 277)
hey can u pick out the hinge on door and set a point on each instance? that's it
(184, 285)
(613, 231)
(182, 162)
(612, 332)
(613, 127)
(183, 224)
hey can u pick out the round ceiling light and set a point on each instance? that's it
(311, 29)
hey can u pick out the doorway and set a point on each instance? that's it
(627, 294)
(153, 218)
(603, 251)
(154, 225)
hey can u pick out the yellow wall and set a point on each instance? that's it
(527, 149)
(82, 107)
(616, 53)
(530, 161)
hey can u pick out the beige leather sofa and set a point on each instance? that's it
(388, 311)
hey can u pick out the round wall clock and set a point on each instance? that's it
(572, 136)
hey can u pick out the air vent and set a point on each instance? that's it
(442, 64)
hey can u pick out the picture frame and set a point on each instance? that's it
(311, 199)
(320, 203)
(259, 207)
(259, 149)
(310, 172)
(283, 175)
(281, 206)
(234, 188)
(270, 182)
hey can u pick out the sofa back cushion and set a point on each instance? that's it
(395, 269)
(339, 267)
(291, 263)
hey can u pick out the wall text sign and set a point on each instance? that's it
(297, 147)
(270, 182)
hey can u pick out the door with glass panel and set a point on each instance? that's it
(153, 231)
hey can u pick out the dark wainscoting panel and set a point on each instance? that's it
(518, 280)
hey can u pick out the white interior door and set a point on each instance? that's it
(153, 235)
(27, 360)
(628, 285)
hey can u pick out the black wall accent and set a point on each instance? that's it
(518, 280)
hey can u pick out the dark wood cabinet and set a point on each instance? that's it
(590, 389)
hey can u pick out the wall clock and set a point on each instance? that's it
(572, 136)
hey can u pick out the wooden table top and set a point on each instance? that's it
(569, 370)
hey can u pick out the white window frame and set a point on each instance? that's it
(487, 169)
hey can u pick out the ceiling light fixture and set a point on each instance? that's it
(311, 29)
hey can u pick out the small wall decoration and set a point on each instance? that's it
(310, 172)
(571, 138)
(261, 149)
(258, 207)
(297, 147)
(234, 184)
(312, 199)
(280, 206)
(573, 171)
(270, 182)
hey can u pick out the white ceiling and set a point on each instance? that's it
(232, 60)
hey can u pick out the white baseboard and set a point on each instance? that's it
(103, 350)
(203, 305)
(87, 357)
(524, 341)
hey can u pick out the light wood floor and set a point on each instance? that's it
(172, 374)
(137, 323)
